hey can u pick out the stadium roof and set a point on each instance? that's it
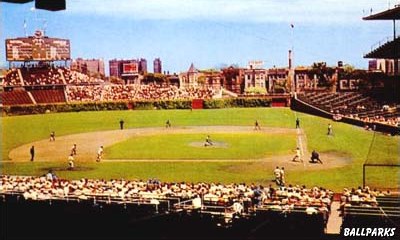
(391, 14)
(389, 50)
(50, 5)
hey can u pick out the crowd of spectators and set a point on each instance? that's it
(87, 93)
(393, 121)
(12, 78)
(378, 116)
(77, 78)
(354, 105)
(289, 198)
(116, 92)
(248, 196)
(363, 197)
(48, 75)
(41, 76)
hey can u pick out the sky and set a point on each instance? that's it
(208, 33)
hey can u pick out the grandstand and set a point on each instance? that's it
(16, 97)
(236, 206)
(48, 96)
(366, 208)
(46, 85)
(108, 207)
(215, 210)
(353, 105)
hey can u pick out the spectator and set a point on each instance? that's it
(277, 173)
(282, 179)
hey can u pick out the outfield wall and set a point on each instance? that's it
(140, 105)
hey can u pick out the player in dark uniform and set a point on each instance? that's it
(297, 123)
(315, 157)
(32, 152)
(208, 141)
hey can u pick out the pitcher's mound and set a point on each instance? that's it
(215, 145)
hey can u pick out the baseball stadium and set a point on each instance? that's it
(232, 153)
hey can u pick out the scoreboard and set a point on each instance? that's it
(37, 48)
(130, 68)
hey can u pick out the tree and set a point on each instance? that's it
(157, 78)
(323, 73)
(201, 80)
(255, 90)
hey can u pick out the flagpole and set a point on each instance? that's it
(291, 68)
(26, 35)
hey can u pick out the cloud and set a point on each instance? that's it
(259, 11)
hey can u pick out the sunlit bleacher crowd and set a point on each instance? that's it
(80, 87)
(84, 93)
(77, 78)
(41, 76)
(12, 78)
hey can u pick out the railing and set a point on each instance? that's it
(106, 198)
(382, 42)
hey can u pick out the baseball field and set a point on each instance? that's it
(145, 148)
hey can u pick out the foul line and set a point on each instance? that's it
(299, 141)
(183, 160)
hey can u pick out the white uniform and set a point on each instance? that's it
(71, 161)
(99, 154)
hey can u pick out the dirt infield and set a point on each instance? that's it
(88, 144)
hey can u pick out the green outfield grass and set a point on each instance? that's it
(179, 146)
(19, 130)
(348, 140)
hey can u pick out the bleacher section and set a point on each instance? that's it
(385, 215)
(49, 96)
(344, 103)
(77, 78)
(15, 97)
(176, 210)
(12, 78)
(49, 84)
(88, 93)
(353, 105)
(41, 76)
